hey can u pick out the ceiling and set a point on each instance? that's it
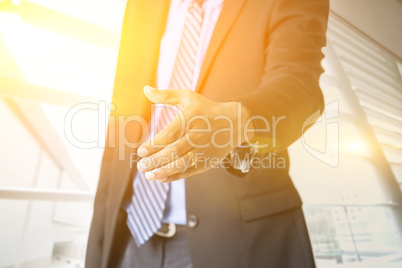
(379, 19)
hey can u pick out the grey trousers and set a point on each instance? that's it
(159, 252)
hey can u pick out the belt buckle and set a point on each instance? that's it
(171, 231)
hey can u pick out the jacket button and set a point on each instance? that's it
(192, 221)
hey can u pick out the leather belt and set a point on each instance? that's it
(169, 229)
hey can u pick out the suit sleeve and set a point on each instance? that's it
(289, 90)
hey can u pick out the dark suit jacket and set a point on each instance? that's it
(263, 53)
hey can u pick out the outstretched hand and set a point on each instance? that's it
(198, 138)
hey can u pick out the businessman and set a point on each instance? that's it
(208, 95)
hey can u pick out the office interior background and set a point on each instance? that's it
(57, 65)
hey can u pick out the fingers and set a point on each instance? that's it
(160, 154)
(166, 155)
(178, 167)
(191, 163)
(175, 129)
(165, 138)
(188, 173)
(177, 97)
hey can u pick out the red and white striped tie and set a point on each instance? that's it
(145, 212)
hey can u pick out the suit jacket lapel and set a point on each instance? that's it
(229, 13)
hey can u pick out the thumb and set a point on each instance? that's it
(168, 96)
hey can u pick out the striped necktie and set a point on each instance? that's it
(145, 211)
